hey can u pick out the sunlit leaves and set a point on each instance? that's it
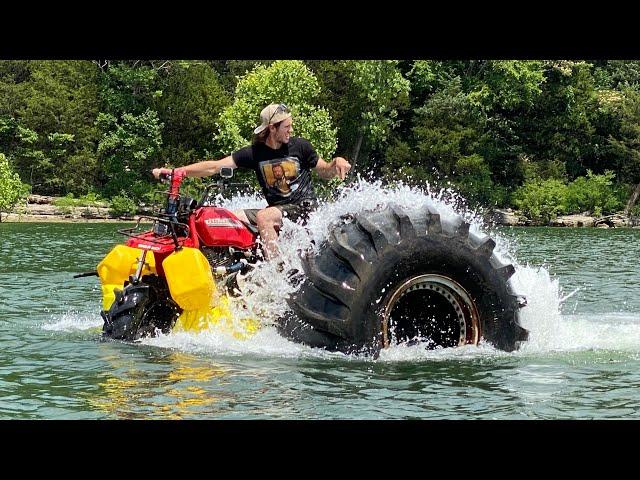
(289, 82)
(11, 188)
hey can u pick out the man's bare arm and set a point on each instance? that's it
(204, 168)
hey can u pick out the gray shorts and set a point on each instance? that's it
(296, 212)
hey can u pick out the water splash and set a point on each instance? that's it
(71, 321)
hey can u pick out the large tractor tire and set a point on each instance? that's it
(140, 310)
(399, 276)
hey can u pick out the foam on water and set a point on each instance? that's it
(265, 342)
(73, 321)
(265, 293)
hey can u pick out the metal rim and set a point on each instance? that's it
(455, 295)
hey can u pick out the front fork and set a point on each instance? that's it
(135, 278)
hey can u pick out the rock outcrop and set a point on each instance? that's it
(506, 217)
(573, 221)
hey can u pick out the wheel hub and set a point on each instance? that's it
(431, 308)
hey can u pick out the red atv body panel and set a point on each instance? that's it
(161, 247)
(218, 227)
(208, 227)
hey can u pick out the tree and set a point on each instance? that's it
(11, 188)
(560, 125)
(285, 81)
(129, 126)
(371, 92)
(593, 193)
(627, 146)
(191, 102)
(443, 146)
(616, 74)
(128, 149)
(129, 87)
(48, 109)
(542, 200)
(231, 71)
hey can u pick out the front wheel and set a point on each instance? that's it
(399, 276)
(140, 310)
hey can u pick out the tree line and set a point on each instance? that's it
(544, 136)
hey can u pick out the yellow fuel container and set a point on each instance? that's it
(116, 267)
(189, 278)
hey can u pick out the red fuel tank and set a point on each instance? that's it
(218, 227)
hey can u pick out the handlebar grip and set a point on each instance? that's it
(164, 174)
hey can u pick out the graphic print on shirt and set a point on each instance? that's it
(281, 175)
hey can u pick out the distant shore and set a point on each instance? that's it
(509, 217)
(26, 218)
(40, 209)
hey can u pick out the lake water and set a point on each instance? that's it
(582, 360)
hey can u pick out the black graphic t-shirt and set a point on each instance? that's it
(284, 174)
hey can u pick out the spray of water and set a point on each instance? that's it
(70, 321)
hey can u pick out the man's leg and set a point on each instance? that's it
(268, 219)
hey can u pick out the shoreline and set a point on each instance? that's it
(567, 221)
(25, 218)
(40, 209)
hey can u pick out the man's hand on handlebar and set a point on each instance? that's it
(163, 174)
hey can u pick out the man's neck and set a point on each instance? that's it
(271, 143)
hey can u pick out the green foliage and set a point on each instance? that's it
(286, 81)
(593, 193)
(447, 127)
(123, 206)
(365, 99)
(403, 164)
(542, 200)
(617, 74)
(12, 190)
(129, 87)
(379, 89)
(488, 127)
(545, 199)
(128, 148)
(427, 76)
(506, 84)
(91, 199)
(445, 136)
(47, 114)
(543, 169)
(561, 125)
(231, 71)
(627, 144)
(473, 181)
(189, 108)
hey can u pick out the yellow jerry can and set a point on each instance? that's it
(189, 278)
(116, 267)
